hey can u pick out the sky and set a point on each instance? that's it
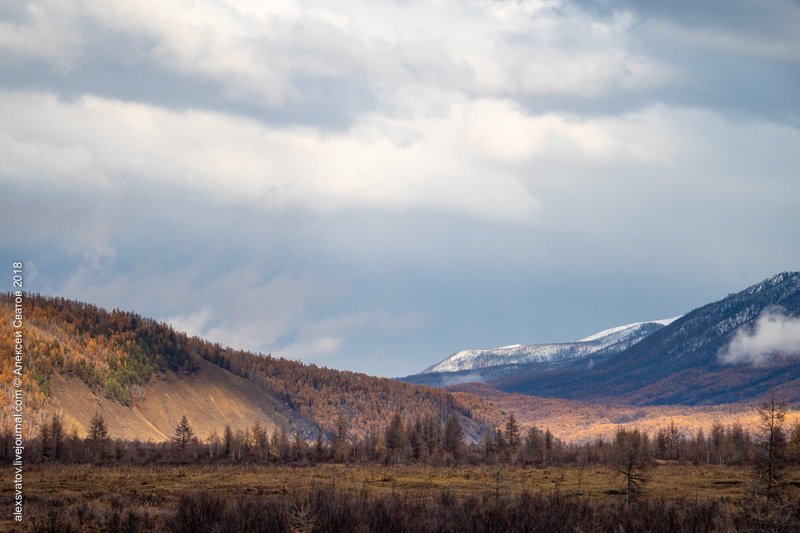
(377, 185)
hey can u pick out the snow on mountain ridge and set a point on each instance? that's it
(617, 329)
(614, 339)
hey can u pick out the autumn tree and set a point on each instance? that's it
(770, 463)
(395, 438)
(279, 444)
(512, 436)
(341, 444)
(319, 446)
(534, 445)
(260, 440)
(98, 435)
(453, 437)
(56, 437)
(631, 459)
(45, 442)
(184, 434)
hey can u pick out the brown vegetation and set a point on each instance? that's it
(577, 421)
(394, 498)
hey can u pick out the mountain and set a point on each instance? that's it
(612, 340)
(142, 376)
(688, 362)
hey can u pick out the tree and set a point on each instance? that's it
(534, 445)
(97, 428)
(512, 436)
(280, 444)
(341, 444)
(260, 440)
(227, 442)
(46, 442)
(770, 463)
(183, 434)
(56, 437)
(631, 458)
(395, 438)
(453, 437)
(319, 446)
(98, 435)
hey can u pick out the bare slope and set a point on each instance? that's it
(210, 397)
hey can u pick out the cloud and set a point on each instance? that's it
(42, 30)
(409, 57)
(448, 380)
(397, 165)
(489, 166)
(774, 337)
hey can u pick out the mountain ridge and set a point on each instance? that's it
(674, 364)
(519, 354)
(679, 363)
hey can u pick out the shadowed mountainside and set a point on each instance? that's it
(680, 363)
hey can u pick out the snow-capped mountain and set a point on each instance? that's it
(610, 340)
(683, 362)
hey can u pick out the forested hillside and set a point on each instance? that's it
(119, 355)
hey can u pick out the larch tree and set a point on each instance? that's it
(98, 435)
(453, 437)
(184, 434)
(770, 463)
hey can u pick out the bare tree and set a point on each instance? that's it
(631, 459)
(770, 463)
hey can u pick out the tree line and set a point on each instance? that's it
(420, 439)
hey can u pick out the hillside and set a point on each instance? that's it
(682, 363)
(579, 421)
(210, 397)
(143, 376)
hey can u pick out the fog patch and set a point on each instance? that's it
(460, 379)
(774, 337)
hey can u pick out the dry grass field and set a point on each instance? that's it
(157, 489)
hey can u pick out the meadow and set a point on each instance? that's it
(335, 497)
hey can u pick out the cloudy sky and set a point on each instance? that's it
(377, 185)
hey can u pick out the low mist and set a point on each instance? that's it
(774, 337)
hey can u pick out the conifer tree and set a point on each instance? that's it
(98, 431)
(771, 461)
(98, 435)
(183, 434)
(57, 437)
(512, 433)
(453, 437)
(227, 441)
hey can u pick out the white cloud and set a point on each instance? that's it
(95, 141)
(774, 337)
(47, 30)
(406, 54)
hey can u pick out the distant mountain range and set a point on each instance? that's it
(612, 340)
(725, 351)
